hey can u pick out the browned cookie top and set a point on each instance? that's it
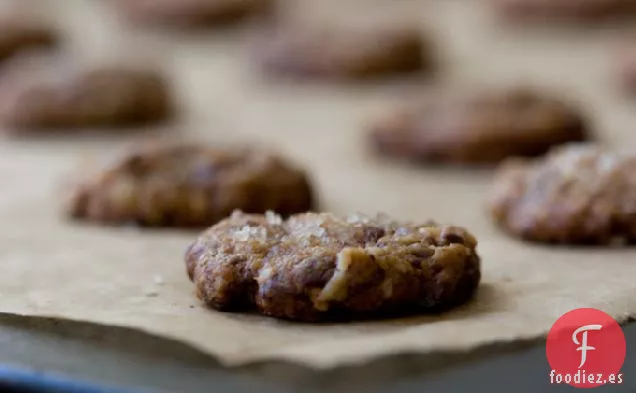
(319, 266)
(577, 194)
(16, 36)
(189, 185)
(565, 9)
(346, 53)
(191, 13)
(93, 98)
(477, 128)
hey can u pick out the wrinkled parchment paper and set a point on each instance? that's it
(127, 277)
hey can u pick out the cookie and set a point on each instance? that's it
(191, 13)
(577, 194)
(320, 267)
(482, 128)
(342, 53)
(626, 70)
(101, 97)
(566, 10)
(17, 36)
(190, 186)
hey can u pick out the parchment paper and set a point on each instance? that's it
(127, 277)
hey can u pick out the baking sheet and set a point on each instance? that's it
(128, 277)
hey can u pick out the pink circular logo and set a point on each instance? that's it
(586, 348)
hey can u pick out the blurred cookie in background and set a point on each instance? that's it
(577, 194)
(191, 13)
(19, 34)
(626, 68)
(476, 127)
(564, 10)
(109, 96)
(189, 185)
(341, 52)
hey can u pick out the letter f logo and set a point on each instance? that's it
(584, 347)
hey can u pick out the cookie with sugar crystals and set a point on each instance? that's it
(319, 267)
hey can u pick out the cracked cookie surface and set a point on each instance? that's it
(577, 194)
(318, 266)
(189, 185)
(477, 128)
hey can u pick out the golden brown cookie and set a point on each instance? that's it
(564, 10)
(17, 35)
(342, 53)
(191, 13)
(100, 97)
(577, 194)
(317, 267)
(189, 185)
(478, 128)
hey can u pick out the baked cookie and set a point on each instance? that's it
(17, 36)
(481, 128)
(567, 10)
(577, 194)
(315, 267)
(342, 53)
(627, 69)
(189, 185)
(104, 97)
(191, 13)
